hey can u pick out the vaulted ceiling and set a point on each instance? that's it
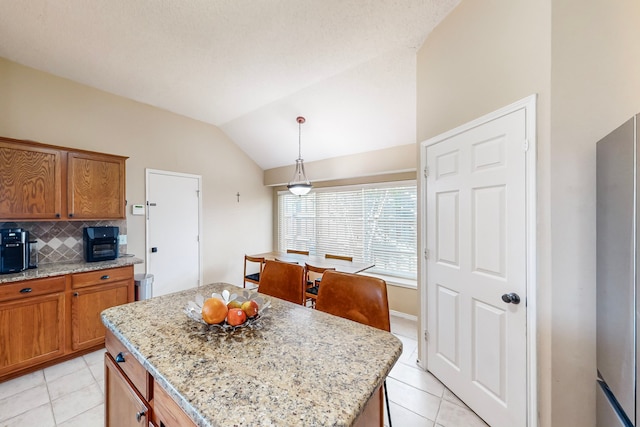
(249, 67)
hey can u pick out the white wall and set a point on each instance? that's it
(48, 109)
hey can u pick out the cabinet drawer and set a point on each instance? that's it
(110, 275)
(166, 411)
(129, 365)
(29, 288)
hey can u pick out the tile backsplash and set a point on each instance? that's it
(61, 241)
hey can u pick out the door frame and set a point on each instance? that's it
(146, 219)
(527, 104)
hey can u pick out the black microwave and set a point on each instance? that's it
(100, 243)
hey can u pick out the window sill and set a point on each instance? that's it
(394, 281)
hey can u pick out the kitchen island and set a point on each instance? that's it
(302, 367)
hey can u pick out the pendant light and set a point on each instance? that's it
(299, 184)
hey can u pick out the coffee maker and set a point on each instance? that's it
(14, 250)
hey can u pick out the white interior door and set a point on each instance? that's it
(173, 230)
(477, 253)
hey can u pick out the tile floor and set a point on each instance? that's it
(71, 393)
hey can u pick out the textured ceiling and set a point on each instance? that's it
(248, 66)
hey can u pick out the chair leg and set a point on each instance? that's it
(386, 398)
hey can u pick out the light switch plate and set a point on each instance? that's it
(122, 239)
(137, 209)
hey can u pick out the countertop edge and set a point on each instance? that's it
(62, 268)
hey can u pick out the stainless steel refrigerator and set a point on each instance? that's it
(618, 250)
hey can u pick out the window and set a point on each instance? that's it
(373, 223)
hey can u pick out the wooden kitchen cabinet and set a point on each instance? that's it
(41, 181)
(31, 323)
(91, 293)
(124, 405)
(31, 181)
(96, 186)
(48, 320)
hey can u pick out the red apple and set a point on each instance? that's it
(236, 316)
(250, 308)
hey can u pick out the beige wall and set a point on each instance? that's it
(41, 107)
(486, 55)
(595, 87)
(585, 68)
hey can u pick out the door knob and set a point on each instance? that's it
(512, 298)
(154, 249)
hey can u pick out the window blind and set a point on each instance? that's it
(372, 223)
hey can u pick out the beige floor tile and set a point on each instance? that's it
(97, 370)
(97, 357)
(41, 416)
(417, 401)
(64, 368)
(402, 417)
(77, 402)
(70, 383)
(94, 417)
(416, 377)
(22, 402)
(449, 396)
(404, 327)
(452, 415)
(16, 385)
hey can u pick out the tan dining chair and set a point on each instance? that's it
(283, 280)
(313, 275)
(342, 257)
(295, 251)
(252, 277)
(362, 299)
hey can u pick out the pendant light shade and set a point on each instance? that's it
(299, 184)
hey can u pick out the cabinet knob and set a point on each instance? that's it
(120, 357)
(75, 294)
(70, 215)
(25, 290)
(105, 277)
(139, 415)
(57, 215)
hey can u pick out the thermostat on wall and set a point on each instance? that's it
(137, 209)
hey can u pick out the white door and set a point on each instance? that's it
(173, 230)
(476, 243)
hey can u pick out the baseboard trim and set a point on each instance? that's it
(403, 315)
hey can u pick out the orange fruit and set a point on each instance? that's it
(236, 317)
(214, 311)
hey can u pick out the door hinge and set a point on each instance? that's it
(426, 336)
(426, 172)
(197, 193)
(426, 254)
(525, 145)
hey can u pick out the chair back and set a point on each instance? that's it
(283, 280)
(295, 251)
(362, 299)
(253, 277)
(342, 257)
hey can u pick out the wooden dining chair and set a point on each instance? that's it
(283, 280)
(252, 277)
(295, 251)
(362, 299)
(342, 257)
(313, 275)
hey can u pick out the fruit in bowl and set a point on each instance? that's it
(236, 317)
(250, 308)
(214, 311)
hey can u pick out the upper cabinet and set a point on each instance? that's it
(44, 182)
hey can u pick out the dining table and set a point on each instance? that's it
(317, 261)
(294, 367)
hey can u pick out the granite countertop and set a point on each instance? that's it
(61, 268)
(303, 367)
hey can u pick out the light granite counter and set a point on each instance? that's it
(62, 268)
(303, 367)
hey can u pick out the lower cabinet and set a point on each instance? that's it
(124, 406)
(31, 327)
(87, 329)
(50, 319)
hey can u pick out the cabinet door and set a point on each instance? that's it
(87, 329)
(31, 331)
(30, 181)
(95, 186)
(124, 407)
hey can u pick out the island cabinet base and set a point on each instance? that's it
(133, 398)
